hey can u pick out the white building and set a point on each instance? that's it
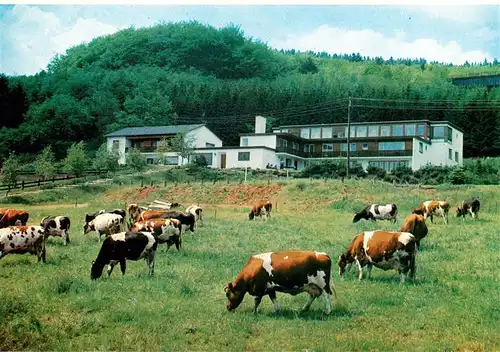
(386, 144)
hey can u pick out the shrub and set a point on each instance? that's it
(377, 171)
(458, 176)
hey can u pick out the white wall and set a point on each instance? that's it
(259, 157)
(202, 136)
(420, 159)
(121, 148)
(259, 141)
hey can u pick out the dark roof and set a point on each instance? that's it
(153, 130)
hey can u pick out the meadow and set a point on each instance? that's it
(452, 305)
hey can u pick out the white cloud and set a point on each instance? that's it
(371, 43)
(35, 36)
(465, 14)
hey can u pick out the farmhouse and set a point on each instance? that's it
(386, 144)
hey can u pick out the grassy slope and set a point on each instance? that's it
(453, 304)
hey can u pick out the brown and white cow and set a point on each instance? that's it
(432, 207)
(259, 208)
(383, 249)
(415, 224)
(165, 230)
(469, 206)
(197, 211)
(106, 223)
(23, 239)
(12, 217)
(57, 226)
(290, 272)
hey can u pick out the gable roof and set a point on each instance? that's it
(153, 130)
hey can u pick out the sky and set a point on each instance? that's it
(32, 34)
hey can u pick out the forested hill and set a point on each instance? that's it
(190, 73)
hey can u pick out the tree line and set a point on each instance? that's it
(179, 73)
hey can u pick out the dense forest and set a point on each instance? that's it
(175, 73)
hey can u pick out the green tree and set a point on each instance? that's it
(45, 166)
(136, 160)
(76, 159)
(106, 159)
(10, 170)
(180, 144)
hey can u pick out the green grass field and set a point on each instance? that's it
(453, 305)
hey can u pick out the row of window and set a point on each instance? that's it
(382, 146)
(390, 165)
(398, 130)
(450, 155)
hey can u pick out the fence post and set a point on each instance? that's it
(142, 182)
(276, 206)
(22, 185)
(38, 182)
(215, 214)
(151, 183)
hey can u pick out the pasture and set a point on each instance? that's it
(452, 305)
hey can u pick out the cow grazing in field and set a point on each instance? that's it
(187, 219)
(165, 230)
(150, 214)
(57, 226)
(415, 224)
(23, 239)
(259, 208)
(469, 206)
(197, 211)
(383, 249)
(119, 247)
(134, 210)
(91, 216)
(377, 212)
(431, 207)
(13, 217)
(290, 272)
(106, 223)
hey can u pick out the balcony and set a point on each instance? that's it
(343, 154)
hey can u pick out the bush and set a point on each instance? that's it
(378, 172)
(458, 176)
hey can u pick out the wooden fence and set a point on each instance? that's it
(27, 184)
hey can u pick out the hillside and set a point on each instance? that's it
(189, 73)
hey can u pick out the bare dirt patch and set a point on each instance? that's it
(57, 206)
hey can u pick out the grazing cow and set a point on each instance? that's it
(23, 239)
(384, 249)
(290, 272)
(57, 226)
(377, 212)
(197, 212)
(106, 223)
(431, 207)
(119, 247)
(470, 206)
(415, 224)
(91, 216)
(134, 211)
(187, 219)
(259, 208)
(165, 230)
(13, 217)
(150, 214)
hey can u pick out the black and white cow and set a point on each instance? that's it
(56, 226)
(23, 239)
(187, 219)
(377, 212)
(469, 206)
(91, 216)
(121, 246)
(106, 223)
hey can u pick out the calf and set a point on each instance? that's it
(57, 226)
(259, 208)
(165, 230)
(197, 212)
(377, 212)
(106, 223)
(23, 239)
(415, 224)
(290, 272)
(187, 220)
(13, 217)
(470, 206)
(386, 250)
(431, 207)
(119, 247)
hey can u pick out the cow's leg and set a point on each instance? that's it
(360, 269)
(432, 218)
(369, 268)
(65, 236)
(272, 296)
(258, 299)
(306, 307)
(123, 265)
(151, 262)
(328, 302)
(111, 266)
(412, 267)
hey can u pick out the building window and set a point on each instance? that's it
(339, 132)
(361, 131)
(327, 147)
(327, 132)
(353, 147)
(343, 147)
(450, 154)
(391, 146)
(315, 132)
(421, 147)
(305, 132)
(450, 134)
(364, 146)
(116, 144)
(409, 130)
(309, 148)
(244, 142)
(211, 145)
(397, 130)
(438, 132)
(295, 146)
(372, 131)
(456, 157)
(207, 156)
(421, 130)
(385, 131)
(243, 156)
(353, 131)
(150, 161)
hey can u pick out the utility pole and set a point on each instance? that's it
(348, 136)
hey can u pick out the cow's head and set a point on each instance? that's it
(89, 226)
(251, 215)
(418, 211)
(460, 211)
(359, 216)
(342, 262)
(234, 297)
(96, 270)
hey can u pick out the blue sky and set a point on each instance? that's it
(32, 34)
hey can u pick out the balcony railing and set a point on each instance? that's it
(144, 149)
(337, 154)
